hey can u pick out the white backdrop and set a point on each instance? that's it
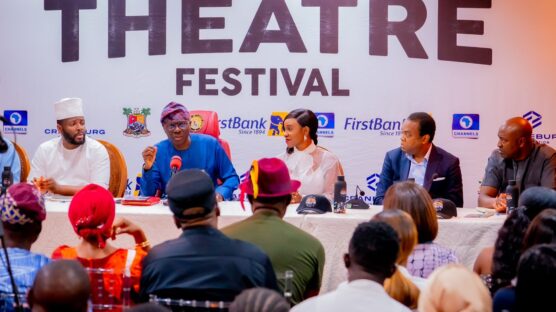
(517, 78)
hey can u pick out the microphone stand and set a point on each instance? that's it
(18, 306)
(3, 191)
(357, 203)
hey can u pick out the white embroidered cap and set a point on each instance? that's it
(68, 108)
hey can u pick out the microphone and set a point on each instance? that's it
(175, 164)
(357, 203)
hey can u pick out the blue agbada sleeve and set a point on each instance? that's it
(226, 173)
(151, 180)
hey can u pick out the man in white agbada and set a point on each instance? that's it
(67, 163)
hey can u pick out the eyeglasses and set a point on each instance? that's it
(180, 124)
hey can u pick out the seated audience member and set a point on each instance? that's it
(419, 159)
(203, 263)
(427, 255)
(9, 158)
(371, 259)
(91, 213)
(197, 151)
(67, 163)
(259, 300)
(483, 265)
(62, 285)
(268, 188)
(542, 230)
(316, 167)
(22, 212)
(535, 287)
(507, 248)
(402, 286)
(518, 157)
(455, 288)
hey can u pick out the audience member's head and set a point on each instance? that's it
(536, 199)
(259, 300)
(536, 274)
(373, 250)
(454, 288)
(510, 236)
(62, 285)
(148, 307)
(514, 138)
(192, 199)
(268, 185)
(91, 213)
(415, 200)
(22, 212)
(70, 120)
(398, 286)
(300, 126)
(542, 229)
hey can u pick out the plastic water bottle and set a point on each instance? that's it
(340, 192)
(512, 196)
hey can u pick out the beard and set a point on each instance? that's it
(71, 139)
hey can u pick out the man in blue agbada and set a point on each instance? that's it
(197, 151)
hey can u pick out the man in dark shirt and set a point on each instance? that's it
(518, 158)
(201, 264)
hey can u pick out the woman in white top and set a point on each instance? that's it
(314, 166)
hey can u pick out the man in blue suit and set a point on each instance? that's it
(417, 158)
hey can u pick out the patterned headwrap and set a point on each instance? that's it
(22, 203)
(174, 111)
(91, 213)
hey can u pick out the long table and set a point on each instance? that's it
(467, 236)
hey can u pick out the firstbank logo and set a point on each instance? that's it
(326, 124)
(534, 118)
(17, 121)
(276, 127)
(372, 181)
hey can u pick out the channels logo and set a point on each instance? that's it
(372, 181)
(466, 126)
(534, 118)
(136, 122)
(17, 121)
(276, 124)
(326, 124)
(375, 124)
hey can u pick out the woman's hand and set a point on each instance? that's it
(124, 226)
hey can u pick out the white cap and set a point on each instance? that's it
(68, 108)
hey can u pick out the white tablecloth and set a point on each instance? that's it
(467, 236)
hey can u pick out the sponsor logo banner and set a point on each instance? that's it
(536, 121)
(136, 122)
(466, 126)
(326, 124)
(17, 121)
